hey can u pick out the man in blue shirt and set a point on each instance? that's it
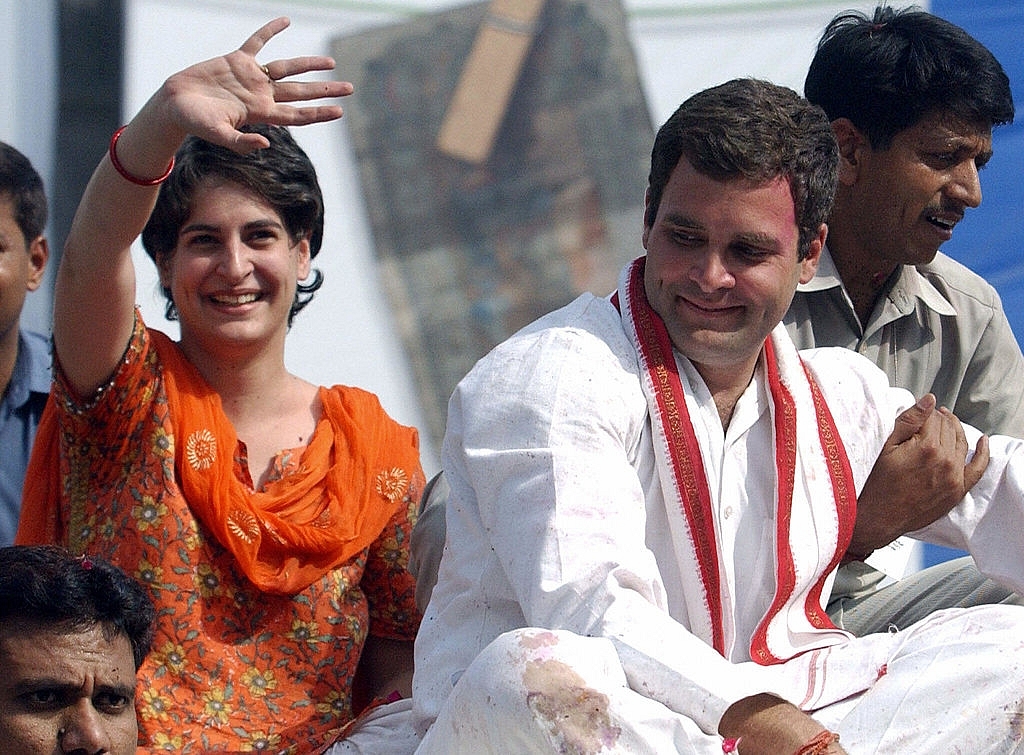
(24, 356)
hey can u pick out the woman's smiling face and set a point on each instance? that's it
(234, 272)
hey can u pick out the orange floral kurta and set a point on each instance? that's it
(232, 668)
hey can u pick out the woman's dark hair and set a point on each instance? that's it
(281, 174)
(46, 585)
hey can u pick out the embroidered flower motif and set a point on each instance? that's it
(149, 574)
(215, 706)
(154, 706)
(392, 483)
(260, 741)
(161, 441)
(171, 656)
(148, 513)
(304, 631)
(208, 580)
(201, 449)
(334, 705)
(259, 682)
(162, 741)
(243, 525)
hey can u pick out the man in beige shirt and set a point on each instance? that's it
(909, 162)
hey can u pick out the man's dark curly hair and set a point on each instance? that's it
(46, 585)
(753, 130)
(885, 73)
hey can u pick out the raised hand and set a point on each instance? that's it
(214, 98)
(920, 475)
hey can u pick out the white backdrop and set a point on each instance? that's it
(28, 93)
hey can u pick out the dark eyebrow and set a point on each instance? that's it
(763, 240)
(194, 227)
(28, 686)
(956, 140)
(676, 218)
(209, 228)
(122, 690)
(757, 239)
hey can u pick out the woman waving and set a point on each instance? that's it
(268, 516)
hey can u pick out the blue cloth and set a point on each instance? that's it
(20, 409)
(983, 240)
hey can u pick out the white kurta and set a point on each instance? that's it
(557, 519)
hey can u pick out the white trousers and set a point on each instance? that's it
(385, 730)
(954, 684)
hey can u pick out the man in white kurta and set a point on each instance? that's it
(624, 566)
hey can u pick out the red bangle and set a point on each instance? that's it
(820, 744)
(129, 176)
(731, 745)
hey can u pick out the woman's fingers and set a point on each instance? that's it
(300, 91)
(282, 69)
(264, 34)
(215, 98)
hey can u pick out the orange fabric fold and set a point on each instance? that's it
(298, 528)
(39, 520)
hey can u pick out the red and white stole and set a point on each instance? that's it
(814, 516)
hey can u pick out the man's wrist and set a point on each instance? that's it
(856, 554)
(861, 547)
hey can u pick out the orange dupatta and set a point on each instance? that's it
(358, 470)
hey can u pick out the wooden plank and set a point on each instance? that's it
(523, 11)
(488, 79)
